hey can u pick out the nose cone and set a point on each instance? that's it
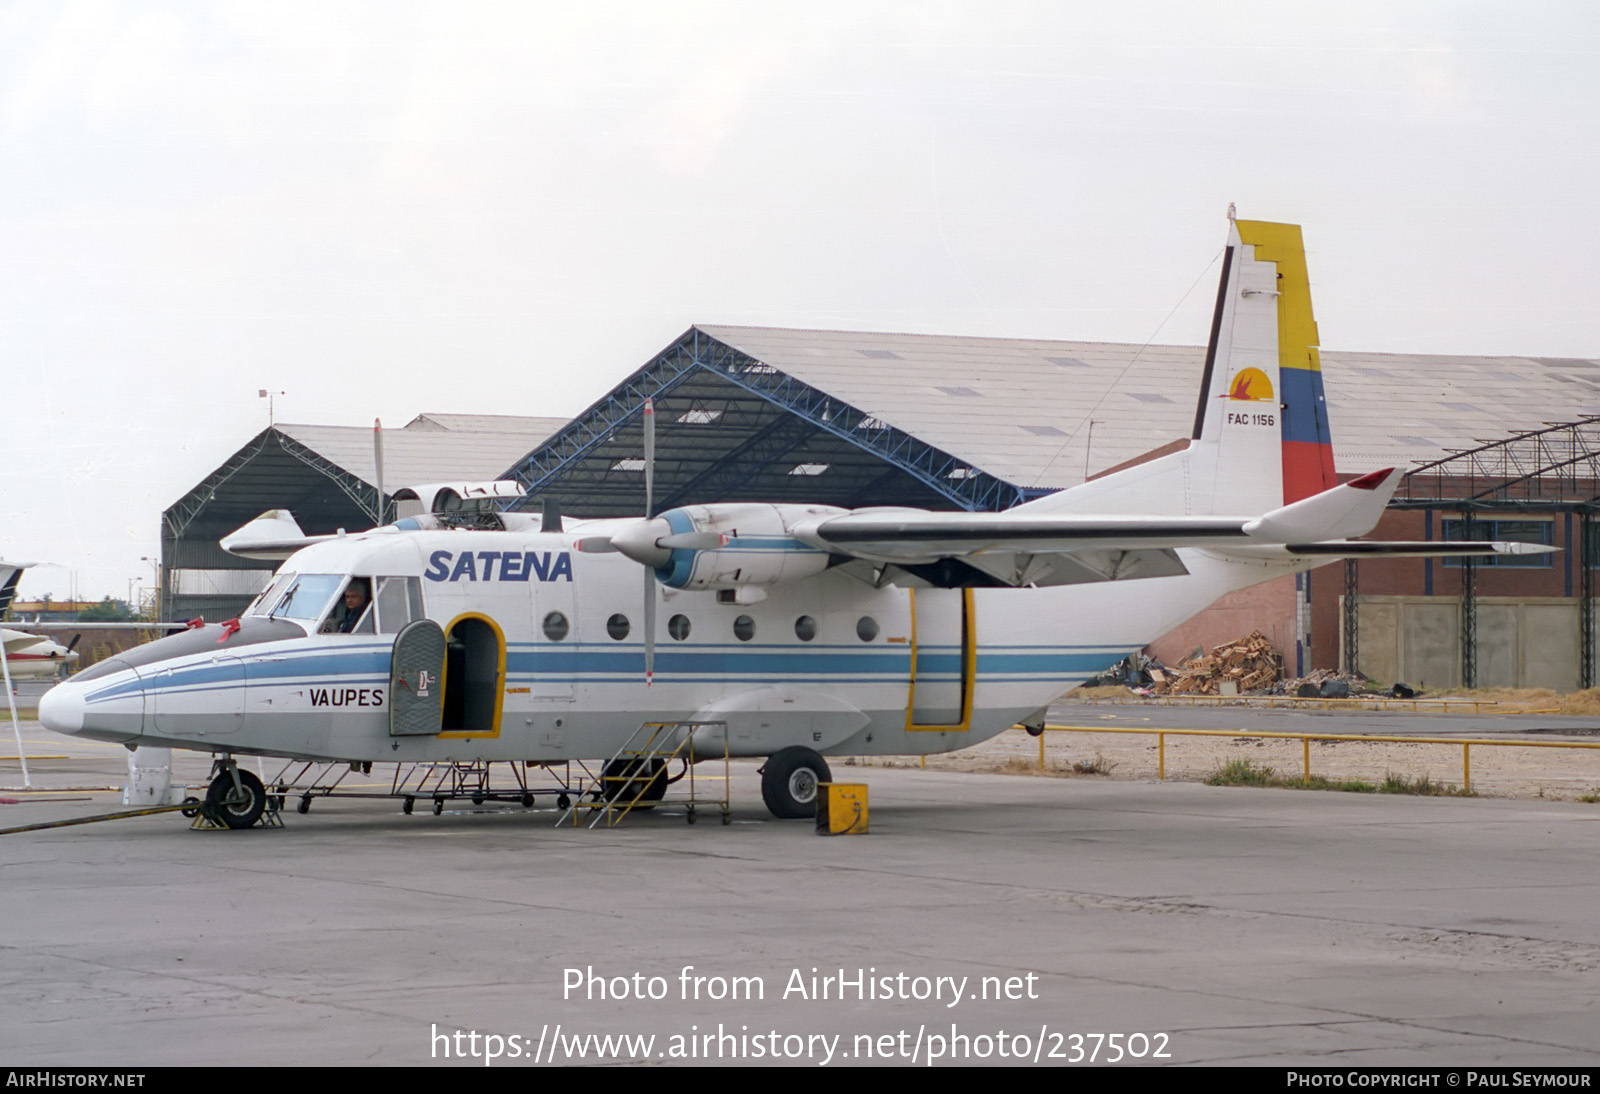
(61, 708)
(638, 542)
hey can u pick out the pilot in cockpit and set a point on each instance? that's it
(347, 619)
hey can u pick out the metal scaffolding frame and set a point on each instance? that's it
(1554, 469)
(780, 416)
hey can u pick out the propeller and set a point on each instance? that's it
(649, 515)
(73, 644)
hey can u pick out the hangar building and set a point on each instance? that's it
(941, 422)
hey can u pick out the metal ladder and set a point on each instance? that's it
(626, 779)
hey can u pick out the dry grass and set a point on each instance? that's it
(1544, 700)
(1110, 691)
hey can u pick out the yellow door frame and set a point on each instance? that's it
(499, 679)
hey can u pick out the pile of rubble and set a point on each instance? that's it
(1243, 665)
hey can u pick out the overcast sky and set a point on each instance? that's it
(387, 208)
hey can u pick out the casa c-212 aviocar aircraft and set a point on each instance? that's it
(797, 633)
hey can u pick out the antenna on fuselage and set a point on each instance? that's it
(550, 521)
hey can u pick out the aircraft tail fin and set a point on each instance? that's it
(1261, 438)
(10, 575)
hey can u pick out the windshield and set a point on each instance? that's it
(267, 596)
(308, 596)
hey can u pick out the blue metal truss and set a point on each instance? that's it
(622, 407)
(958, 482)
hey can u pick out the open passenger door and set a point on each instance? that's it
(416, 681)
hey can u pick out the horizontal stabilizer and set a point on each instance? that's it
(273, 536)
(1419, 548)
(1340, 512)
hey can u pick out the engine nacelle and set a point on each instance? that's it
(758, 545)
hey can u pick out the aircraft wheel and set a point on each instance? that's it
(1034, 731)
(407, 805)
(305, 804)
(789, 782)
(232, 810)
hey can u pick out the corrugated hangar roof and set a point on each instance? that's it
(430, 448)
(855, 418)
(1020, 408)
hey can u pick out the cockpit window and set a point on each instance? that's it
(268, 596)
(307, 596)
(353, 611)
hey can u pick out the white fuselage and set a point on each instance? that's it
(847, 690)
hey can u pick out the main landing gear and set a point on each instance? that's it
(789, 782)
(235, 798)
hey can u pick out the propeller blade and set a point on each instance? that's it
(649, 625)
(694, 541)
(649, 511)
(649, 458)
(595, 545)
(73, 644)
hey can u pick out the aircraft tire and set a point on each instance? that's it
(789, 782)
(631, 770)
(236, 814)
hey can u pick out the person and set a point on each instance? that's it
(356, 596)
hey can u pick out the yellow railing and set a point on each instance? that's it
(1305, 740)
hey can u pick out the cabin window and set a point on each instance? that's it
(617, 626)
(555, 626)
(399, 602)
(744, 628)
(678, 627)
(805, 628)
(866, 628)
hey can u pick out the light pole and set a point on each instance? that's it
(155, 570)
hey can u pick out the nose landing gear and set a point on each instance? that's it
(235, 798)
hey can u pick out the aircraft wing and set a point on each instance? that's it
(1012, 548)
(949, 549)
(15, 641)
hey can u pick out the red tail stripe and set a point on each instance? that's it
(1372, 481)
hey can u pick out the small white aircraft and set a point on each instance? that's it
(28, 655)
(34, 655)
(792, 632)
